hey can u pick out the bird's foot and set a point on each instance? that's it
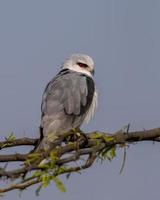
(77, 136)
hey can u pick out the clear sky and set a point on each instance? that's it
(123, 37)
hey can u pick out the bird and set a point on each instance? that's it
(69, 99)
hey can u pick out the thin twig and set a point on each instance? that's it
(20, 186)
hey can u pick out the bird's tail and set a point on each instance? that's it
(39, 143)
(43, 145)
(43, 148)
(46, 143)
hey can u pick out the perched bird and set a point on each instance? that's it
(69, 99)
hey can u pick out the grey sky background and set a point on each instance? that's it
(123, 37)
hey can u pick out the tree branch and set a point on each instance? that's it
(61, 159)
(19, 142)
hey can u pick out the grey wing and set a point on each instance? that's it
(65, 102)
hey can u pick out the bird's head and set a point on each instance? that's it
(80, 63)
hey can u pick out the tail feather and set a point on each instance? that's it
(47, 142)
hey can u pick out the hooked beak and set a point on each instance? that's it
(92, 72)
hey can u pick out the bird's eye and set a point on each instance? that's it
(83, 65)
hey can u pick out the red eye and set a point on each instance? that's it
(83, 65)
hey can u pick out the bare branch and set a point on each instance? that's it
(20, 186)
(18, 142)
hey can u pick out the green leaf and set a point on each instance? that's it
(108, 138)
(112, 153)
(37, 173)
(10, 138)
(96, 135)
(38, 190)
(32, 158)
(59, 184)
(60, 170)
(108, 154)
(53, 156)
(45, 180)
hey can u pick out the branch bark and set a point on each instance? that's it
(99, 143)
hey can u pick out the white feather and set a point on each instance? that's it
(71, 63)
(92, 108)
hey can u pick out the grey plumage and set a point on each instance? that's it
(66, 102)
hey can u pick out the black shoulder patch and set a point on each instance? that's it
(91, 89)
(63, 71)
